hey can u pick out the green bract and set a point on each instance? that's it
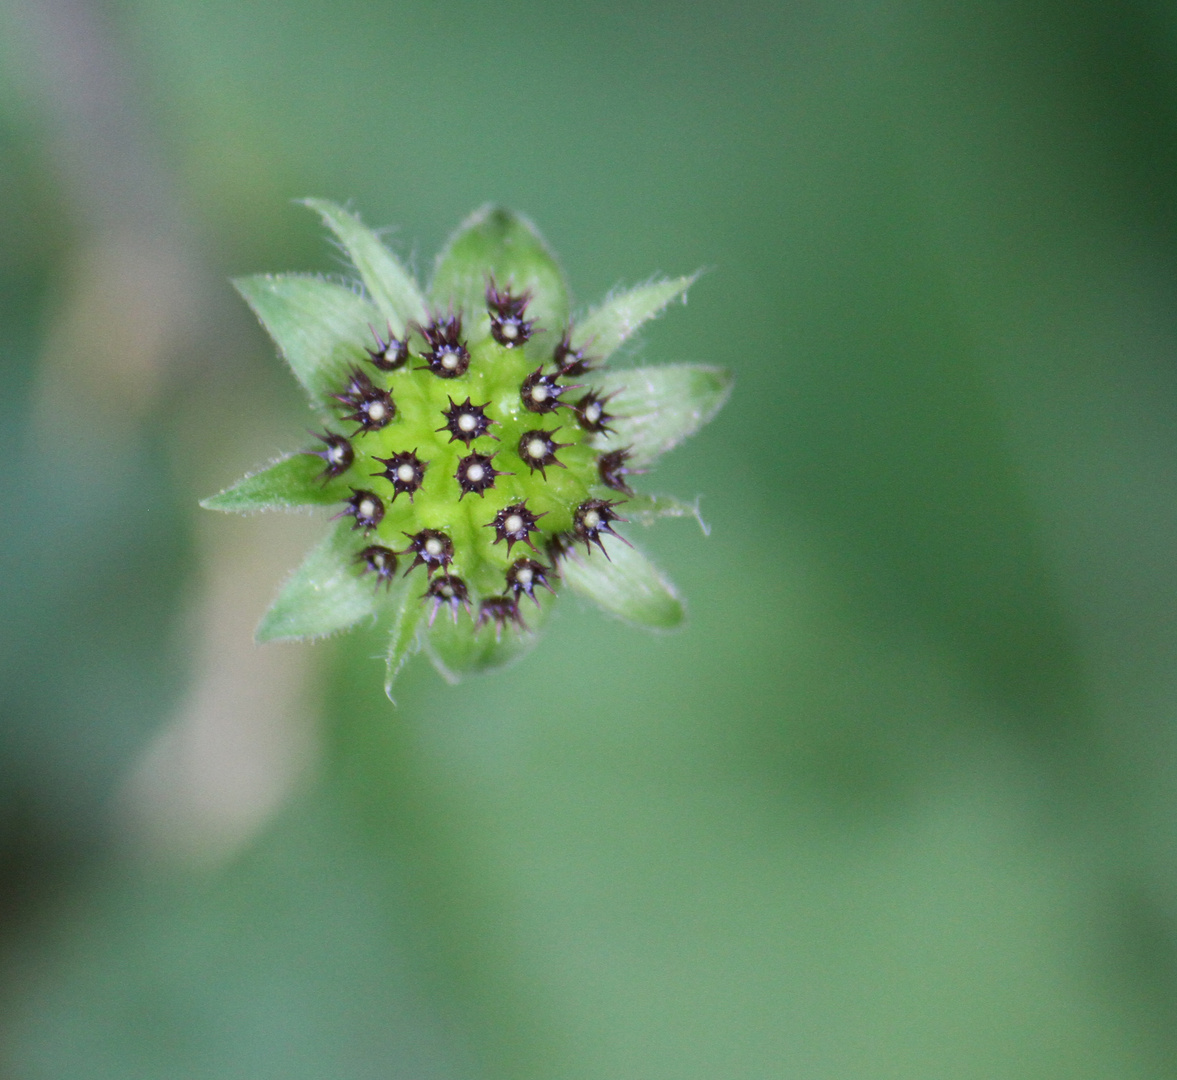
(473, 445)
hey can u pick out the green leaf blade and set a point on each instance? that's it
(496, 242)
(607, 327)
(324, 595)
(646, 509)
(320, 328)
(405, 639)
(291, 482)
(389, 284)
(658, 407)
(629, 586)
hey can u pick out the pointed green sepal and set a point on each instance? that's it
(325, 594)
(507, 246)
(286, 484)
(458, 651)
(629, 586)
(320, 327)
(405, 639)
(389, 284)
(657, 407)
(603, 329)
(646, 509)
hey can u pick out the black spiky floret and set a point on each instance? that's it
(593, 517)
(476, 474)
(356, 385)
(590, 411)
(570, 361)
(337, 452)
(405, 471)
(559, 546)
(365, 507)
(507, 325)
(515, 524)
(380, 561)
(466, 422)
(537, 450)
(372, 408)
(391, 354)
(448, 356)
(525, 575)
(431, 549)
(540, 393)
(447, 589)
(500, 610)
(612, 470)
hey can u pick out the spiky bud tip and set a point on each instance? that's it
(457, 398)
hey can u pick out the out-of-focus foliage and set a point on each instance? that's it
(900, 800)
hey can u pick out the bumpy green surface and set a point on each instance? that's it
(327, 333)
(421, 398)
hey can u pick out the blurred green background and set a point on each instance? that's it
(901, 802)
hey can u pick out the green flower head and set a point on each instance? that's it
(476, 451)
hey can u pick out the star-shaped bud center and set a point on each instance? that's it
(405, 471)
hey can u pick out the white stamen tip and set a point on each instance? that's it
(475, 473)
(513, 523)
(537, 448)
(433, 547)
(406, 474)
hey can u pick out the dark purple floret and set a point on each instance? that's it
(525, 575)
(365, 507)
(540, 393)
(537, 450)
(431, 549)
(507, 325)
(391, 354)
(466, 422)
(612, 470)
(336, 452)
(559, 546)
(515, 524)
(568, 360)
(500, 610)
(357, 384)
(380, 561)
(476, 474)
(372, 408)
(590, 411)
(406, 472)
(450, 590)
(592, 518)
(448, 356)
